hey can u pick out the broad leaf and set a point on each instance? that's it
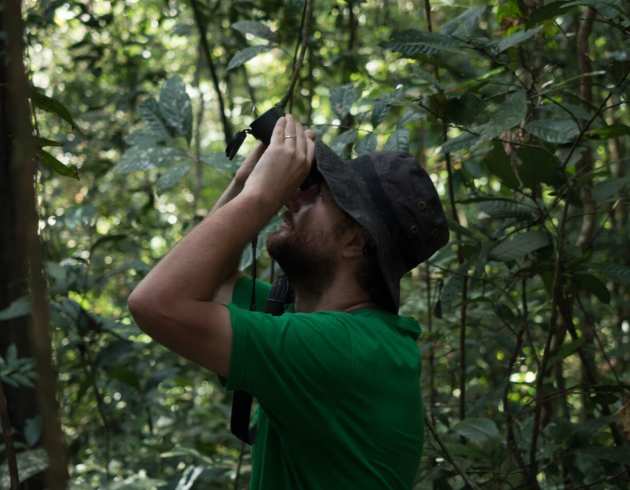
(610, 189)
(414, 42)
(558, 131)
(341, 142)
(539, 166)
(451, 293)
(254, 28)
(139, 158)
(221, 162)
(149, 111)
(516, 39)
(615, 273)
(176, 108)
(29, 464)
(367, 144)
(479, 431)
(612, 131)
(244, 55)
(593, 285)
(465, 24)
(172, 176)
(461, 142)
(520, 245)
(18, 308)
(342, 98)
(502, 209)
(498, 164)
(398, 141)
(507, 115)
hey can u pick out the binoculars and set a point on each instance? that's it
(262, 128)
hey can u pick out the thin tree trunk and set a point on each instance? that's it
(18, 165)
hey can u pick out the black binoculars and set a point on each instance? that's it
(262, 128)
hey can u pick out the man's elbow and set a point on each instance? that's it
(142, 308)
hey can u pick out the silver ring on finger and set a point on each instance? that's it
(289, 137)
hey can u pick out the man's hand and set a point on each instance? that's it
(285, 163)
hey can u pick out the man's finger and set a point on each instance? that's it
(310, 134)
(310, 152)
(290, 132)
(277, 137)
(300, 140)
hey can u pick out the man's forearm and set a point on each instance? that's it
(231, 191)
(204, 258)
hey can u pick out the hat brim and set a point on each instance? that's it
(351, 194)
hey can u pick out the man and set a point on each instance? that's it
(338, 378)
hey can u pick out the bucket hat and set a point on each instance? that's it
(393, 198)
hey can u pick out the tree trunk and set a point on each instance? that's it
(20, 253)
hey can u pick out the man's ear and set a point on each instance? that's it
(353, 243)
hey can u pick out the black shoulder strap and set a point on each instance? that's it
(279, 296)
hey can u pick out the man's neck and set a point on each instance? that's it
(338, 297)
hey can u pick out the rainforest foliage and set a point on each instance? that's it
(519, 111)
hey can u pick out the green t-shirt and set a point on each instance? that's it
(339, 395)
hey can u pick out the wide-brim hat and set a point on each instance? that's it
(393, 198)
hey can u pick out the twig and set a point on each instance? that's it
(448, 456)
(307, 12)
(203, 39)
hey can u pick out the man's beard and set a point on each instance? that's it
(302, 260)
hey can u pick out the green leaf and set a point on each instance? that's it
(172, 176)
(502, 209)
(451, 293)
(367, 144)
(257, 29)
(538, 165)
(342, 98)
(176, 108)
(516, 39)
(398, 141)
(461, 142)
(41, 142)
(18, 308)
(139, 158)
(612, 131)
(498, 163)
(610, 189)
(547, 12)
(507, 115)
(592, 284)
(29, 464)
(479, 431)
(51, 163)
(48, 104)
(145, 138)
(221, 162)
(244, 55)
(340, 143)
(558, 131)
(567, 349)
(620, 454)
(149, 111)
(465, 24)
(413, 42)
(614, 272)
(32, 430)
(520, 245)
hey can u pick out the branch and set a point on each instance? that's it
(448, 456)
(201, 27)
(307, 16)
